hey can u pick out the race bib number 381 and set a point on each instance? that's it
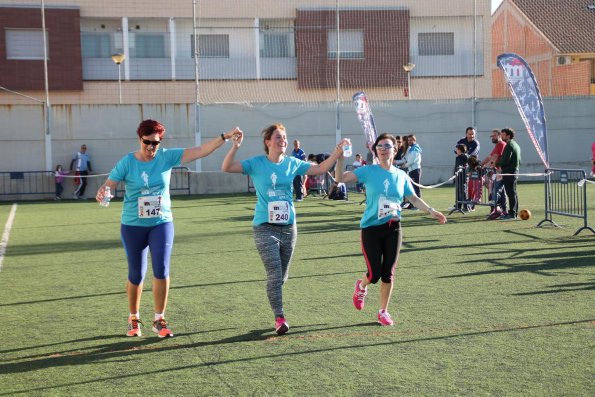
(149, 207)
(279, 212)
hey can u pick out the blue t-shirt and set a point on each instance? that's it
(148, 179)
(383, 188)
(274, 187)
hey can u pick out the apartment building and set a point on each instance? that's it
(248, 51)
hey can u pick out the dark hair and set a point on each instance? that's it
(381, 137)
(150, 127)
(462, 148)
(509, 132)
(473, 161)
(469, 128)
(267, 133)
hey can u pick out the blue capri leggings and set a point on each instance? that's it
(138, 240)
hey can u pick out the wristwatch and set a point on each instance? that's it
(224, 138)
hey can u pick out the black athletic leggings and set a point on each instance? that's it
(381, 246)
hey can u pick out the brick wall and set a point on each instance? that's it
(386, 49)
(65, 68)
(511, 33)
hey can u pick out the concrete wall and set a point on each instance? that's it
(109, 132)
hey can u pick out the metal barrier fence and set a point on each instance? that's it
(474, 187)
(564, 196)
(14, 185)
(19, 183)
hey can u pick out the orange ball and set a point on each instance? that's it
(525, 214)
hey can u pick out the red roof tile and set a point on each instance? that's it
(568, 24)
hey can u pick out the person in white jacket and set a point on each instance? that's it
(413, 164)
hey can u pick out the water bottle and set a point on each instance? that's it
(347, 150)
(107, 196)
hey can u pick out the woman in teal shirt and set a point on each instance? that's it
(274, 226)
(386, 186)
(147, 221)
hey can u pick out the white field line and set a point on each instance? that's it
(6, 234)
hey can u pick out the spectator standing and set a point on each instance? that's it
(299, 180)
(81, 164)
(461, 179)
(490, 161)
(147, 220)
(59, 179)
(471, 142)
(413, 165)
(509, 164)
(358, 162)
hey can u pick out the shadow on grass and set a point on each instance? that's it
(148, 289)
(144, 346)
(543, 264)
(554, 289)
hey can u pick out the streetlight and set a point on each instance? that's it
(408, 68)
(118, 58)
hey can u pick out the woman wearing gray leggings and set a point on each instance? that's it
(274, 226)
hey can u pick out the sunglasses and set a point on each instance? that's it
(152, 143)
(385, 146)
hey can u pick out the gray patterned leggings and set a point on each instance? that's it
(275, 245)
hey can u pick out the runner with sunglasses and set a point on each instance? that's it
(386, 187)
(147, 222)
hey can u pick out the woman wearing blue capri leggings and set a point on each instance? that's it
(386, 186)
(147, 222)
(274, 226)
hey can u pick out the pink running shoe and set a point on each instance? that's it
(384, 318)
(281, 326)
(359, 296)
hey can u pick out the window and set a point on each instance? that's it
(275, 45)
(96, 45)
(211, 46)
(25, 44)
(351, 44)
(149, 45)
(436, 44)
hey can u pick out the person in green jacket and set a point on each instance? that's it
(509, 164)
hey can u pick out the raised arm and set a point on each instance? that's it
(341, 175)
(197, 152)
(229, 164)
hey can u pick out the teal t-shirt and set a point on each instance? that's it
(274, 187)
(385, 190)
(147, 201)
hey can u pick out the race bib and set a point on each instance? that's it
(388, 208)
(279, 212)
(149, 207)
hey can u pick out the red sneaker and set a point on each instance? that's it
(161, 329)
(359, 295)
(134, 326)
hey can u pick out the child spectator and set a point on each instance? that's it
(461, 179)
(59, 178)
(475, 181)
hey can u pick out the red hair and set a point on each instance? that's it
(150, 127)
